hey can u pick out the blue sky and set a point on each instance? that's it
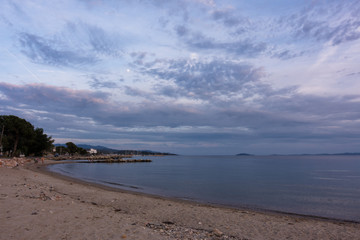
(186, 76)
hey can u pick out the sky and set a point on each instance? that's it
(186, 76)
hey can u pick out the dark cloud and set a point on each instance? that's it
(296, 119)
(317, 107)
(53, 99)
(45, 51)
(94, 105)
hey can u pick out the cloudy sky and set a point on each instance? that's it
(186, 76)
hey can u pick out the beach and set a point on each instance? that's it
(37, 204)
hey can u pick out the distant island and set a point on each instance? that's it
(244, 154)
(105, 150)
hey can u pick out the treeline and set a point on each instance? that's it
(18, 136)
(70, 149)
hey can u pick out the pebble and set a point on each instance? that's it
(217, 232)
(178, 232)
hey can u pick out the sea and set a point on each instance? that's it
(325, 186)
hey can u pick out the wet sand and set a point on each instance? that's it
(36, 204)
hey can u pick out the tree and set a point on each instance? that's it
(72, 148)
(20, 136)
(61, 150)
(18, 131)
(41, 142)
(82, 151)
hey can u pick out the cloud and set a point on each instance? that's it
(76, 45)
(337, 24)
(45, 51)
(135, 92)
(248, 48)
(321, 31)
(94, 38)
(206, 80)
(281, 117)
(181, 30)
(203, 78)
(139, 57)
(98, 82)
(353, 74)
(227, 18)
(287, 54)
(312, 107)
(53, 99)
(94, 105)
(208, 3)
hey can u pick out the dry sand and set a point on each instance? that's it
(35, 204)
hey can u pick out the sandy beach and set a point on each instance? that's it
(36, 204)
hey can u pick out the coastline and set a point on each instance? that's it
(37, 203)
(181, 200)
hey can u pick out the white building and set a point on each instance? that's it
(92, 151)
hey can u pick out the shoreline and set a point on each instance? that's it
(37, 202)
(43, 169)
(193, 201)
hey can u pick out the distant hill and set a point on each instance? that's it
(99, 148)
(105, 150)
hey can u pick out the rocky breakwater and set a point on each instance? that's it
(120, 160)
(95, 158)
(13, 162)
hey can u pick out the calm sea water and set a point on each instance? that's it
(326, 186)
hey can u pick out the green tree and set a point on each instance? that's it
(61, 150)
(18, 132)
(41, 143)
(20, 136)
(72, 148)
(82, 151)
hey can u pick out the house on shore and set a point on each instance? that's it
(92, 151)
